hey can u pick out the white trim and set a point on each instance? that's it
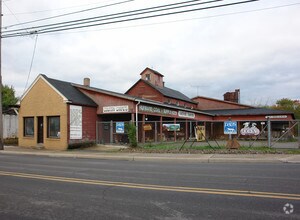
(49, 84)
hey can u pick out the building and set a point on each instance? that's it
(56, 114)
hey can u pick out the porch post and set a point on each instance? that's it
(111, 136)
(160, 129)
(186, 129)
(143, 131)
(269, 132)
(175, 130)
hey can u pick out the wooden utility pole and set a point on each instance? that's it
(1, 117)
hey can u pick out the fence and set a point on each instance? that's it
(268, 133)
(10, 126)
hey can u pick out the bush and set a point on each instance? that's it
(131, 131)
(81, 145)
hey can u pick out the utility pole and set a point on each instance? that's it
(1, 117)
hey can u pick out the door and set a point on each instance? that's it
(40, 137)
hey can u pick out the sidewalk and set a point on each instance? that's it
(165, 157)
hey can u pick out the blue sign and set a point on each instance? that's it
(230, 127)
(120, 127)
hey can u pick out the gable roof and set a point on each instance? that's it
(138, 99)
(247, 111)
(154, 71)
(72, 94)
(165, 91)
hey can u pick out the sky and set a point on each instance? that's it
(254, 47)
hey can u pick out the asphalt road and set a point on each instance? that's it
(35, 187)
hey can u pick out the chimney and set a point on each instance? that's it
(86, 82)
(232, 96)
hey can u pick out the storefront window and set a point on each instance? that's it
(54, 127)
(28, 127)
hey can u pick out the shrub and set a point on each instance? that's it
(131, 131)
(81, 145)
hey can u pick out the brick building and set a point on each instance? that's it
(56, 114)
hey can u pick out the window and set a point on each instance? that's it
(28, 127)
(148, 77)
(53, 130)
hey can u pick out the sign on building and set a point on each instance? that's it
(115, 109)
(250, 130)
(230, 127)
(75, 122)
(120, 127)
(200, 133)
(171, 127)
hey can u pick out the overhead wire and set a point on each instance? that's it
(19, 23)
(71, 27)
(31, 63)
(56, 9)
(122, 13)
(67, 14)
(182, 20)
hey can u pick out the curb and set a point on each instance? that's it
(174, 158)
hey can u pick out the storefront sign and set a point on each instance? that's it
(147, 127)
(276, 116)
(75, 122)
(120, 128)
(157, 110)
(249, 130)
(200, 133)
(186, 114)
(171, 127)
(230, 127)
(115, 109)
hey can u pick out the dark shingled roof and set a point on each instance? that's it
(247, 111)
(70, 92)
(170, 92)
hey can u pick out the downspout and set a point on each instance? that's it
(136, 121)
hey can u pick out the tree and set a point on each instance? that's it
(288, 105)
(8, 97)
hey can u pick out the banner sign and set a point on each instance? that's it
(276, 116)
(158, 110)
(171, 127)
(75, 122)
(115, 109)
(230, 127)
(120, 127)
(147, 127)
(249, 130)
(186, 114)
(200, 133)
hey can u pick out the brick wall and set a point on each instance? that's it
(141, 89)
(89, 118)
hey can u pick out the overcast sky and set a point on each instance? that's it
(254, 47)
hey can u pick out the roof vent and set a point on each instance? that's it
(86, 82)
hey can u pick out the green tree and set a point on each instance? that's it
(288, 105)
(8, 97)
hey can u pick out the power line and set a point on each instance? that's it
(56, 9)
(66, 14)
(31, 63)
(121, 14)
(68, 27)
(19, 23)
(182, 20)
